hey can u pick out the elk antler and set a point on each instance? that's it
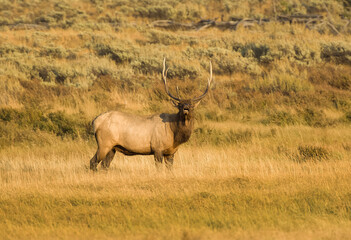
(178, 92)
(164, 77)
(208, 86)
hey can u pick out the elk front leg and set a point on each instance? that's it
(169, 161)
(158, 159)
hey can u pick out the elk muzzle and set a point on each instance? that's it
(185, 111)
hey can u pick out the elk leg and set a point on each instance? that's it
(108, 159)
(99, 155)
(94, 162)
(169, 161)
(158, 159)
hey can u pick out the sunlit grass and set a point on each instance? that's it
(249, 190)
(270, 154)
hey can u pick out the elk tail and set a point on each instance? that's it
(96, 123)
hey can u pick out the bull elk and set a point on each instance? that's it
(159, 135)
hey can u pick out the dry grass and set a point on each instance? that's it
(270, 155)
(254, 190)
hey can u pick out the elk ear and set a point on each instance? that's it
(174, 103)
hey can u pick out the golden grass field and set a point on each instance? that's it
(248, 191)
(270, 154)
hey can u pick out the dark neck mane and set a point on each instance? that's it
(182, 129)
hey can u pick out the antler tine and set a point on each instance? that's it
(178, 92)
(209, 80)
(164, 77)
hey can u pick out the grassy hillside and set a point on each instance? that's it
(270, 153)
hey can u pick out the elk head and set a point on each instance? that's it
(185, 106)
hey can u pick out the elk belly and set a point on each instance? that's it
(134, 142)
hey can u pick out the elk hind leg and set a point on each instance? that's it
(158, 159)
(98, 157)
(108, 159)
(94, 162)
(169, 161)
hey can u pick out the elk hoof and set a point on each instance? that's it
(93, 168)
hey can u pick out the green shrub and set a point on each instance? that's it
(206, 135)
(316, 118)
(122, 79)
(337, 76)
(280, 118)
(52, 74)
(281, 82)
(4, 21)
(151, 63)
(61, 125)
(348, 116)
(57, 52)
(57, 123)
(183, 71)
(224, 61)
(155, 12)
(341, 82)
(337, 52)
(113, 19)
(264, 53)
(118, 53)
(147, 65)
(11, 134)
(61, 15)
(211, 115)
(253, 50)
(8, 114)
(312, 153)
(160, 37)
(8, 49)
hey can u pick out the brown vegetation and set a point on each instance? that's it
(270, 153)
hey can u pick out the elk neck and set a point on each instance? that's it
(182, 128)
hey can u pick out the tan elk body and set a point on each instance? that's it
(159, 135)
